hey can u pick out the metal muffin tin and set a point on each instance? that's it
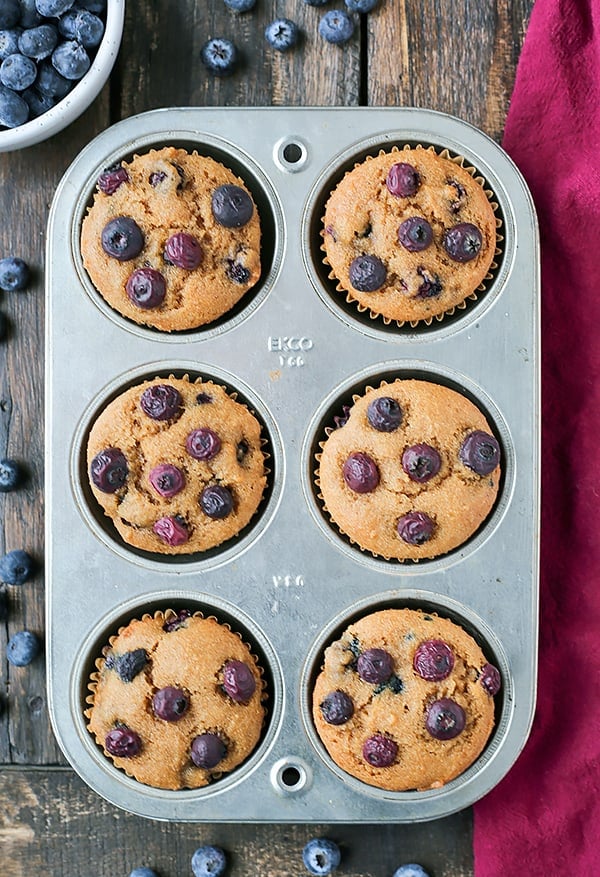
(294, 351)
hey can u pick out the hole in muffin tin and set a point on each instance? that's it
(225, 613)
(342, 396)
(348, 311)
(102, 525)
(444, 607)
(290, 776)
(271, 219)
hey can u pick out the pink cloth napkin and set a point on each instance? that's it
(544, 817)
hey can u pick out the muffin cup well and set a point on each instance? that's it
(337, 405)
(102, 525)
(268, 208)
(434, 605)
(339, 299)
(166, 607)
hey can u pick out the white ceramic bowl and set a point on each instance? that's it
(81, 96)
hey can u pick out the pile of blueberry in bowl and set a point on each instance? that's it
(55, 56)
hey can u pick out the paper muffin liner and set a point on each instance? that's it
(471, 297)
(264, 444)
(165, 616)
(328, 430)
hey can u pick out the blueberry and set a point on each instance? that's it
(178, 621)
(337, 708)
(321, 856)
(13, 108)
(38, 42)
(375, 665)
(167, 480)
(219, 56)
(403, 180)
(14, 273)
(143, 872)
(49, 82)
(232, 207)
(183, 251)
(3, 606)
(431, 285)
(415, 528)
(384, 414)
(9, 13)
(9, 42)
(491, 679)
(462, 242)
(156, 178)
(83, 26)
(16, 567)
(237, 272)
(360, 473)
(410, 870)
(22, 648)
(480, 452)
(11, 475)
(207, 751)
(445, 719)
(170, 704)
(238, 681)
(240, 5)
(17, 72)
(282, 34)
(460, 196)
(209, 861)
(203, 398)
(110, 179)
(129, 664)
(367, 273)
(30, 17)
(146, 288)
(172, 530)
(162, 402)
(379, 750)
(203, 444)
(361, 5)
(433, 660)
(53, 8)
(122, 238)
(421, 462)
(415, 234)
(3, 326)
(343, 418)
(109, 470)
(38, 103)
(71, 59)
(123, 742)
(336, 26)
(216, 501)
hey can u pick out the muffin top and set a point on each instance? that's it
(409, 235)
(405, 700)
(172, 239)
(177, 700)
(177, 464)
(412, 472)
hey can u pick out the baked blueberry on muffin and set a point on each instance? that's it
(177, 700)
(411, 471)
(405, 700)
(178, 465)
(172, 239)
(409, 235)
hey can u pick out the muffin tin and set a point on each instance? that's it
(295, 352)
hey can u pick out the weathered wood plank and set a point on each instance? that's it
(51, 823)
(457, 57)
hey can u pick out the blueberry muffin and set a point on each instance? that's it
(409, 235)
(172, 239)
(405, 700)
(177, 700)
(411, 472)
(178, 465)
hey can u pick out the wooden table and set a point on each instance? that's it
(457, 57)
